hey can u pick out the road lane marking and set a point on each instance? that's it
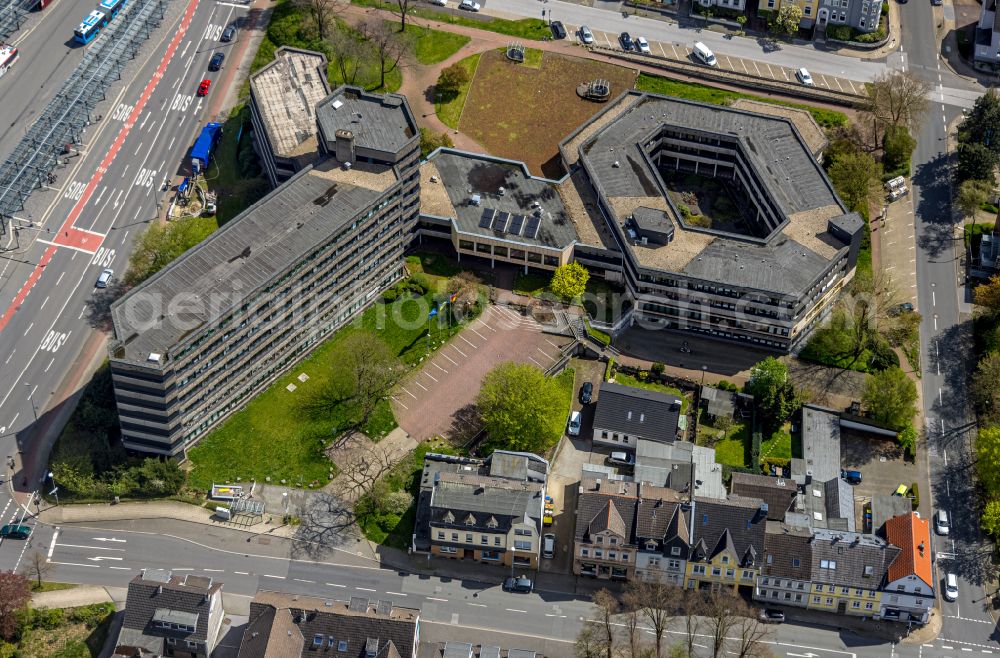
(431, 598)
(93, 548)
(515, 610)
(334, 585)
(215, 570)
(303, 580)
(477, 605)
(395, 593)
(50, 364)
(29, 328)
(121, 568)
(365, 589)
(266, 575)
(52, 546)
(76, 564)
(242, 573)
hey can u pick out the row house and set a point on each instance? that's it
(909, 590)
(727, 536)
(662, 528)
(604, 544)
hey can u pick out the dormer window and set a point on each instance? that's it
(448, 517)
(492, 522)
(651, 546)
(470, 520)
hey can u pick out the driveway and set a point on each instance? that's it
(438, 399)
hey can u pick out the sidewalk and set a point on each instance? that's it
(79, 596)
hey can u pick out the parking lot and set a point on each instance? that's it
(882, 466)
(897, 247)
(681, 52)
(437, 399)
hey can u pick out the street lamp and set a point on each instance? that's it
(284, 500)
(55, 489)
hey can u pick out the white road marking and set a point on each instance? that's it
(365, 589)
(52, 546)
(242, 573)
(265, 575)
(334, 585)
(431, 598)
(303, 580)
(395, 593)
(76, 564)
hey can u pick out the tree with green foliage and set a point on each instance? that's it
(896, 98)
(858, 179)
(521, 407)
(986, 388)
(988, 459)
(569, 281)
(773, 393)
(431, 141)
(322, 14)
(891, 396)
(980, 126)
(907, 439)
(975, 161)
(161, 243)
(788, 19)
(990, 519)
(972, 194)
(987, 294)
(898, 145)
(451, 80)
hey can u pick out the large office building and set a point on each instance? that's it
(197, 339)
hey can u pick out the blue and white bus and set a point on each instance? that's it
(90, 27)
(110, 8)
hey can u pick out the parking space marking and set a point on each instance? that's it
(757, 68)
(410, 394)
(837, 80)
(398, 402)
(464, 355)
(535, 362)
(729, 63)
(784, 72)
(471, 344)
(743, 63)
(660, 46)
(420, 385)
(473, 330)
(429, 375)
(440, 368)
(453, 362)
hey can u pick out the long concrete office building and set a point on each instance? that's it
(194, 342)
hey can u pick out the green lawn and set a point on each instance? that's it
(629, 380)
(450, 110)
(433, 46)
(533, 58)
(62, 632)
(706, 94)
(238, 187)
(525, 28)
(272, 437)
(432, 264)
(50, 586)
(734, 447)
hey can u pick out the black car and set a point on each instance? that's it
(558, 31)
(905, 307)
(625, 39)
(520, 584)
(228, 34)
(216, 62)
(772, 616)
(586, 393)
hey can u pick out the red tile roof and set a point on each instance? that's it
(913, 535)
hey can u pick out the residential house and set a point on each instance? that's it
(808, 8)
(778, 493)
(828, 504)
(820, 438)
(848, 571)
(786, 569)
(734, 5)
(624, 414)
(861, 15)
(604, 544)
(661, 535)
(676, 465)
(986, 56)
(292, 626)
(488, 510)
(909, 590)
(167, 615)
(727, 538)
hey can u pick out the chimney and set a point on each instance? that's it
(344, 145)
(921, 548)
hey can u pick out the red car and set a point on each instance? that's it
(203, 87)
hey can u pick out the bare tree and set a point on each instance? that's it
(656, 602)
(723, 610)
(607, 606)
(896, 98)
(402, 9)
(38, 567)
(361, 467)
(751, 632)
(348, 52)
(868, 309)
(632, 620)
(389, 47)
(589, 642)
(323, 14)
(693, 605)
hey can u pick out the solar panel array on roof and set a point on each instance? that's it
(486, 218)
(531, 230)
(500, 221)
(515, 225)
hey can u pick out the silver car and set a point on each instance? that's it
(586, 36)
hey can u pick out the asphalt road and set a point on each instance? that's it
(49, 306)
(946, 343)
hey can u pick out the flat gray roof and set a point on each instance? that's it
(465, 174)
(820, 446)
(286, 93)
(233, 263)
(381, 122)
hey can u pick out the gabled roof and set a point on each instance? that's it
(657, 514)
(594, 499)
(787, 551)
(637, 412)
(778, 493)
(388, 630)
(156, 596)
(850, 559)
(740, 518)
(608, 519)
(913, 536)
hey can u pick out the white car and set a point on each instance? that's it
(104, 280)
(575, 420)
(941, 524)
(951, 587)
(440, 3)
(470, 5)
(804, 77)
(642, 45)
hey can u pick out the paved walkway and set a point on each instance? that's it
(79, 596)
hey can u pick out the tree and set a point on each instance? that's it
(891, 397)
(15, 592)
(607, 606)
(750, 634)
(348, 52)
(788, 19)
(907, 439)
(773, 392)
(589, 642)
(972, 194)
(521, 407)
(693, 606)
(868, 310)
(896, 98)
(987, 294)
(322, 13)
(898, 144)
(38, 567)
(975, 161)
(990, 519)
(656, 602)
(431, 141)
(858, 179)
(388, 47)
(988, 459)
(722, 612)
(986, 388)
(161, 243)
(402, 9)
(465, 287)
(451, 80)
(980, 126)
(569, 281)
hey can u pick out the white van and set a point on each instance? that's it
(549, 546)
(706, 56)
